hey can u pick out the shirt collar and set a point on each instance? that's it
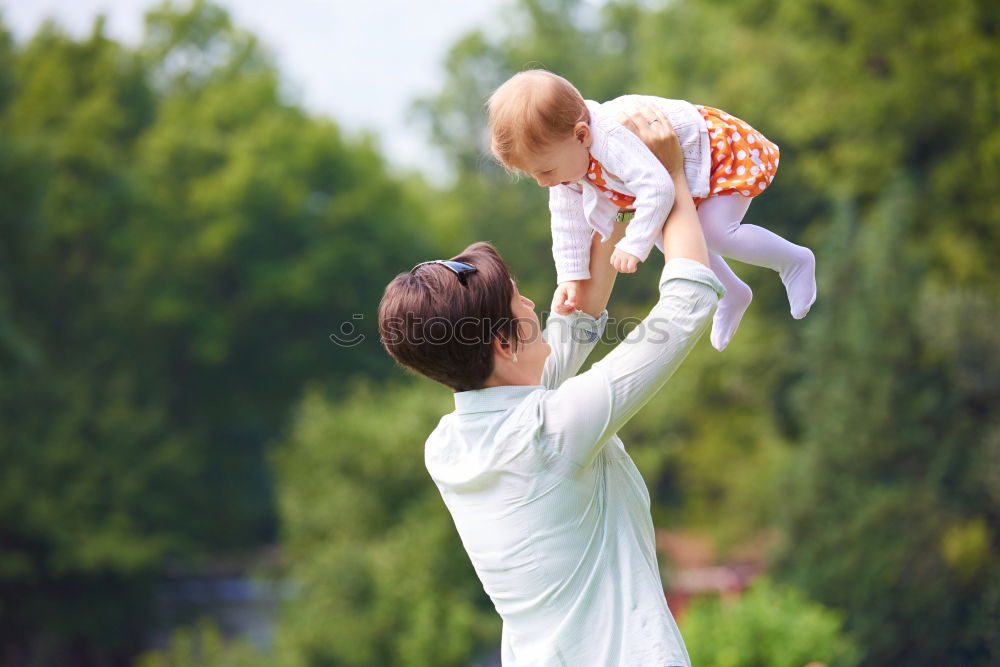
(492, 399)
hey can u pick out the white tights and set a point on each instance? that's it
(720, 221)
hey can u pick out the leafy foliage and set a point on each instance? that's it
(887, 515)
(179, 242)
(380, 575)
(768, 625)
(202, 645)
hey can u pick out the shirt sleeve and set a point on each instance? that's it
(582, 414)
(570, 233)
(636, 166)
(572, 338)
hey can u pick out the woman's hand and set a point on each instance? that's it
(652, 126)
(682, 235)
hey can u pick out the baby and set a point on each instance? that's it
(599, 172)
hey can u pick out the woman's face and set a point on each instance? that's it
(533, 350)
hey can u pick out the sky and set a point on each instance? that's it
(362, 63)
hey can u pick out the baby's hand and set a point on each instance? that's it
(624, 262)
(564, 299)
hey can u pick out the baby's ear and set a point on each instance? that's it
(582, 133)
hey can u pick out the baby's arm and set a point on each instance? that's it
(632, 162)
(624, 262)
(652, 126)
(570, 245)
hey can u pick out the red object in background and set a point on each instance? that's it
(693, 569)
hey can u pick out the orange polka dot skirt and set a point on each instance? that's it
(744, 161)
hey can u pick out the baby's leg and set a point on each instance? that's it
(720, 219)
(732, 306)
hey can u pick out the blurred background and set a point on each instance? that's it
(206, 459)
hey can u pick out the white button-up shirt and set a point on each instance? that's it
(551, 509)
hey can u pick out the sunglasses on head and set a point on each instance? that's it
(460, 269)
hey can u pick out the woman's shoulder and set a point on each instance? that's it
(504, 434)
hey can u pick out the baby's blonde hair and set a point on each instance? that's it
(531, 110)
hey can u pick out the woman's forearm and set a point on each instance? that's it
(682, 234)
(682, 237)
(587, 409)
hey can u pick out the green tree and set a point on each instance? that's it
(379, 573)
(91, 464)
(204, 646)
(888, 515)
(263, 231)
(852, 91)
(179, 243)
(768, 625)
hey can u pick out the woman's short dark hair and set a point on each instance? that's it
(431, 323)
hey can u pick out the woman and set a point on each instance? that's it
(550, 508)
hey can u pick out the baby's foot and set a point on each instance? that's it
(800, 282)
(729, 313)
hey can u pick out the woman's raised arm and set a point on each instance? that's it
(585, 411)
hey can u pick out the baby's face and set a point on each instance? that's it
(564, 161)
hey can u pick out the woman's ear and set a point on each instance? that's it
(582, 133)
(501, 347)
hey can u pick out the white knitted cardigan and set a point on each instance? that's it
(629, 168)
